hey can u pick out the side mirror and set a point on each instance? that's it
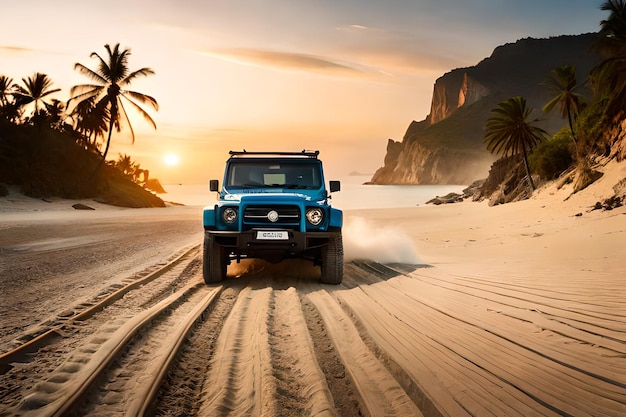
(214, 185)
(335, 186)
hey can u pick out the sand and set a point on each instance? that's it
(554, 231)
(515, 297)
(497, 312)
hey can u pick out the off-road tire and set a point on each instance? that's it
(332, 261)
(214, 262)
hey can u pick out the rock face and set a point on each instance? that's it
(423, 164)
(458, 89)
(616, 139)
(447, 147)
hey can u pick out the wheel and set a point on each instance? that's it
(214, 261)
(332, 261)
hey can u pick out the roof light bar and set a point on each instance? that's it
(304, 152)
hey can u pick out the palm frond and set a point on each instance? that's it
(89, 73)
(142, 98)
(127, 120)
(103, 68)
(141, 111)
(117, 66)
(509, 131)
(143, 72)
(83, 90)
(615, 25)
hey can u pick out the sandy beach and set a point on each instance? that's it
(553, 231)
(516, 309)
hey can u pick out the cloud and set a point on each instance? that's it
(356, 51)
(14, 50)
(288, 61)
(358, 27)
(20, 52)
(399, 51)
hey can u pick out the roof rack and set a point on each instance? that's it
(304, 152)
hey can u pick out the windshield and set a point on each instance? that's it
(279, 174)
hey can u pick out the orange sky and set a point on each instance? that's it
(341, 77)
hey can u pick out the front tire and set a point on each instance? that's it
(332, 261)
(214, 263)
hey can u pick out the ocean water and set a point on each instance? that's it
(353, 194)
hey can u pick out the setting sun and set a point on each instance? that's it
(171, 159)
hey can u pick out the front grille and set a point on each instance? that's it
(257, 215)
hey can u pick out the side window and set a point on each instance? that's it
(316, 179)
(232, 172)
(312, 176)
(237, 175)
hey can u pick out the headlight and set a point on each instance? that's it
(315, 216)
(229, 215)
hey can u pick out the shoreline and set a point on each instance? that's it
(547, 205)
(599, 190)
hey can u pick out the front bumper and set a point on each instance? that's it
(247, 243)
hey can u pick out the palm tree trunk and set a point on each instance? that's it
(571, 128)
(106, 151)
(530, 179)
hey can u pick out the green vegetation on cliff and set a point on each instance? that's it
(447, 147)
(596, 126)
(581, 76)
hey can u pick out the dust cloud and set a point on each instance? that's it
(363, 240)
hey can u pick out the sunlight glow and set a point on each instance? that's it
(171, 159)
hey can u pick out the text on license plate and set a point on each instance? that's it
(272, 235)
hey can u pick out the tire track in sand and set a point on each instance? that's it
(380, 393)
(264, 363)
(240, 380)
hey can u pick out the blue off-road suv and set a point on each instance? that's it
(273, 205)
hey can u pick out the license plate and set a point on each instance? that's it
(272, 235)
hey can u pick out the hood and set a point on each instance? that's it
(274, 196)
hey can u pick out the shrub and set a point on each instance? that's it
(551, 158)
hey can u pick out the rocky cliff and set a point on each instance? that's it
(447, 147)
(458, 89)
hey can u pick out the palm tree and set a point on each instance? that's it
(6, 87)
(35, 90)
(91, 121)
(509, 131)
(56, 114)
(563, 81)
(125, 165)
(615, 25)
(132, 169)
(609, 78)
(112, 77)
(8, 109)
